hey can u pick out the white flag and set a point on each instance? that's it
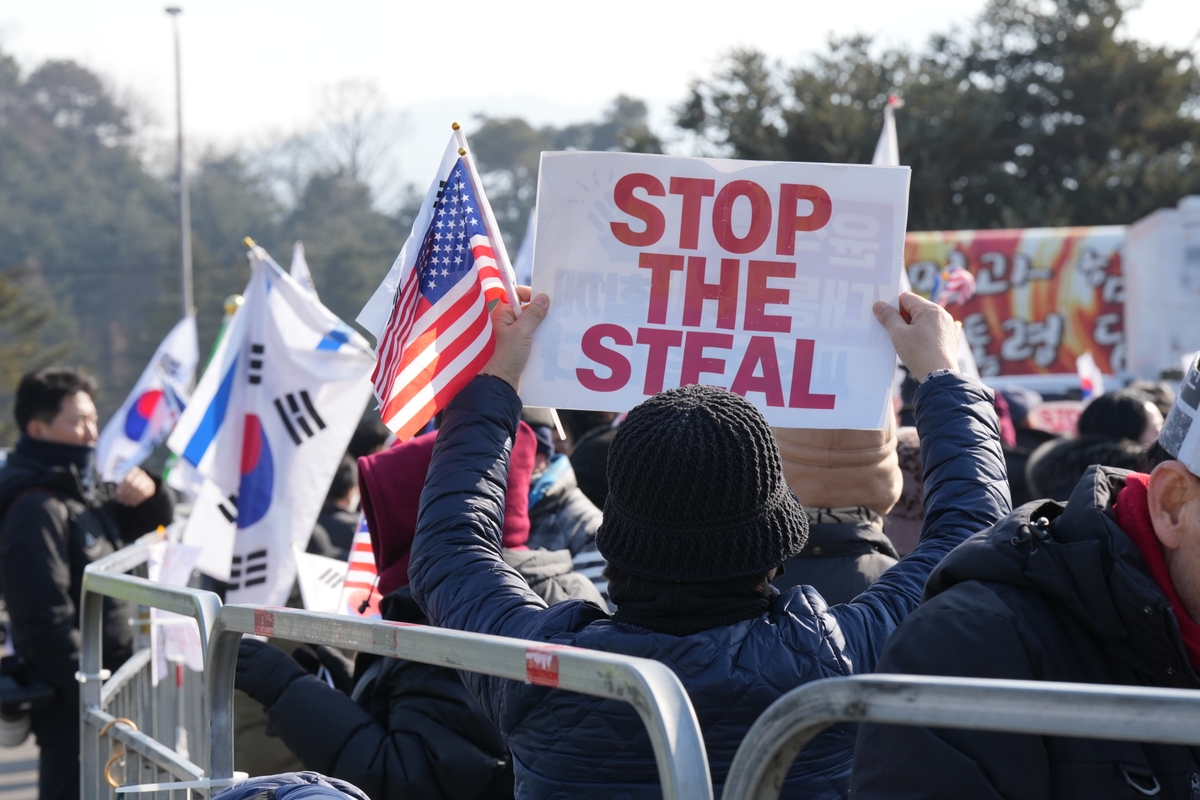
(887, 149)
(300, 269)
(523, 263)
(321, 580)
(887, 154)
(1091, 379)
(266, 429)
(966, 357)
(151, 409)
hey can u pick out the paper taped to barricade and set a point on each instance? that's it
(755, 276)
(174, 637)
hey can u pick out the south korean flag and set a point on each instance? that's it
(266, 429)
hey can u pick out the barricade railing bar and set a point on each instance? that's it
(1124, 713)
(129, 693)
(652, 688)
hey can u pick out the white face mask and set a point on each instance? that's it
(1180, 436)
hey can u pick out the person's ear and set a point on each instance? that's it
(1171, 487)
(36, 429)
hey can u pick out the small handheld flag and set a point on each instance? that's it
(887, 149)
(300, 270)
(953, 285)
(152, 408)
(321, 580)
(431, 314)
(1091, 379)
(360, 595)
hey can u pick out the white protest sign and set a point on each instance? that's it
(755, 276)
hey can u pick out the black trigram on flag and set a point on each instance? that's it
(333, 578)
(248, 571)
(228, 508)
(299, 415)
(254, 368)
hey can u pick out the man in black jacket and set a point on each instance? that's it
(1104, 589)
(57, 519)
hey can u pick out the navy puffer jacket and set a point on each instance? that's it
(567, 745)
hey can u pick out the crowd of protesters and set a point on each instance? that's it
(749, 560)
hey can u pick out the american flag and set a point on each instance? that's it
(439, 334)
(953, 285)
(360, 597)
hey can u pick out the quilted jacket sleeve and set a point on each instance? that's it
(35, 563)
(966, 491)
(457, 573)
(433, 743)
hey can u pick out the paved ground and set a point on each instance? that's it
(18, 771)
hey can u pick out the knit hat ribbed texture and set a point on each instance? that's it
(696, 491)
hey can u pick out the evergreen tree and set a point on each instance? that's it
(1041, 114)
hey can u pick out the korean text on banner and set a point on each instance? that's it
(1043, 296)
(755, 276)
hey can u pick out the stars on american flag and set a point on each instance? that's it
(446, 252)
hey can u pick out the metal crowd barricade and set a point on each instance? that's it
(652, 688)
(1080, 710)
(110, 703)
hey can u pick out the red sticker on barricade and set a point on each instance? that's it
(541, 667)
(264, 622)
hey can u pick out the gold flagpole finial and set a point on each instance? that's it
(454, 126)
(249, 242)
(462, 151)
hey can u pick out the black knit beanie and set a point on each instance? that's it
(696, 491)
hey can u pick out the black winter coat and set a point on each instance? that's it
(840, 560)
(51, 530)
(568, 745)
(415, 732)
(1079, 606)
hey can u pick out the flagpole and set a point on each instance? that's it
(185, 212)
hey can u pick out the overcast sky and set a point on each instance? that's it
(254, 69)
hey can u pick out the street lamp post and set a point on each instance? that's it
(185, 211)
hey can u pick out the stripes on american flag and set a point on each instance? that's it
(953, 285)
(361, 576)
(439, 334)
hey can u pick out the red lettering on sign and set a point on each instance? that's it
(541, 667)
(802, 396)
(725, 292)
(759, 296)
(593, 347)
(761, 350)
(791, 221)
(264, 622)
(660, 341)
(695, 363)
(693, 191)
(661, 267)
(637, 208)
(760, 217)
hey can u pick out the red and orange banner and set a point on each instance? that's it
(1043, 296)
